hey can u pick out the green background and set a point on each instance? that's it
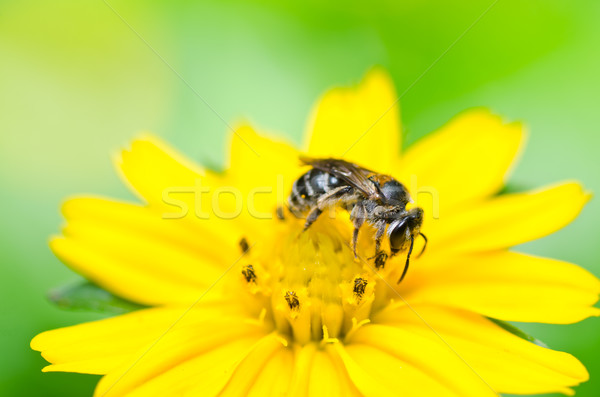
(76, 84)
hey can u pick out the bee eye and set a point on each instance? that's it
(398, 237)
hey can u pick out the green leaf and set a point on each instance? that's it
(512, 187)
(516, 331)
(86, 296)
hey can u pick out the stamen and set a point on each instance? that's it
(282, 340)
(309, 286)
(258, 321)
(360, 284)
(292, 300)
(355, 326)
(380, 260)
(244, 245)
(248, 273)
(262, 315)
(326, 338)
(280, 214)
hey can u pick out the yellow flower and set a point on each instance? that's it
(245, 303)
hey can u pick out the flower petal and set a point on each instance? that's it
(256, 161)
(507, 220)
(143, 221)
(365, 381)
(360, 124)
(252, 365)
(209, 372)
(150, 166)
(421, 366)
(120, 278)
(508, 286)
(506, 362)
(263, 170)
(466, 160)
(180, 191)
(303, 360)
(118, 245)
(275, 378)
(99, 347)
(202, 344)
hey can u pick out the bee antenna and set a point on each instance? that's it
(412, 242)
(425, 246)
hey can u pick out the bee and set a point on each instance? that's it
(377, 199)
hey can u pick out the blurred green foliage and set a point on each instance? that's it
(77, 83)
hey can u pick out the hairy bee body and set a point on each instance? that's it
(377, 199)
(310, 187)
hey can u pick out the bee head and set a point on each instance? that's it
(403, 229)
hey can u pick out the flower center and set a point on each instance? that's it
(308, 283)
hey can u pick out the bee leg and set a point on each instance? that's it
(412, 241)
(425, 246)
(378, 237)
(380, 256)
(354, 241)
(312, 216)
(358, 218)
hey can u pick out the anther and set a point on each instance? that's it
(360, 284)
(292, 300)
(248, 273)
(380, 260)
(280, 214)
(244, 245)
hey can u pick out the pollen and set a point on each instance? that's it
(244, 246)
(360, 284)
(292, 300)
(248, 273)
(309, 281)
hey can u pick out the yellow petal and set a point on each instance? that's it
(100, 346)
(361, 372)
(146, 223)
(179, 190)
(388, 374)
(204, 375)
(147, 255)
(263, 171)
(360, 124)
(421, 366)
(150, 166)
(507, 220)
(508, 286)
(274, 379)
(257, 161)
(466, 160)
(130, 282)
(94, 366)
(328, 379)
(244, 376)
(323, 377)
(181, 343)
(303, 361)
(347, 386)
(506, 362)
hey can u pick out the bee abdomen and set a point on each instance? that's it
(309, 187)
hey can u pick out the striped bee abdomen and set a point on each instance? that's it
(309, 187)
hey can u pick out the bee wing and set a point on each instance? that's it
(353, 174)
